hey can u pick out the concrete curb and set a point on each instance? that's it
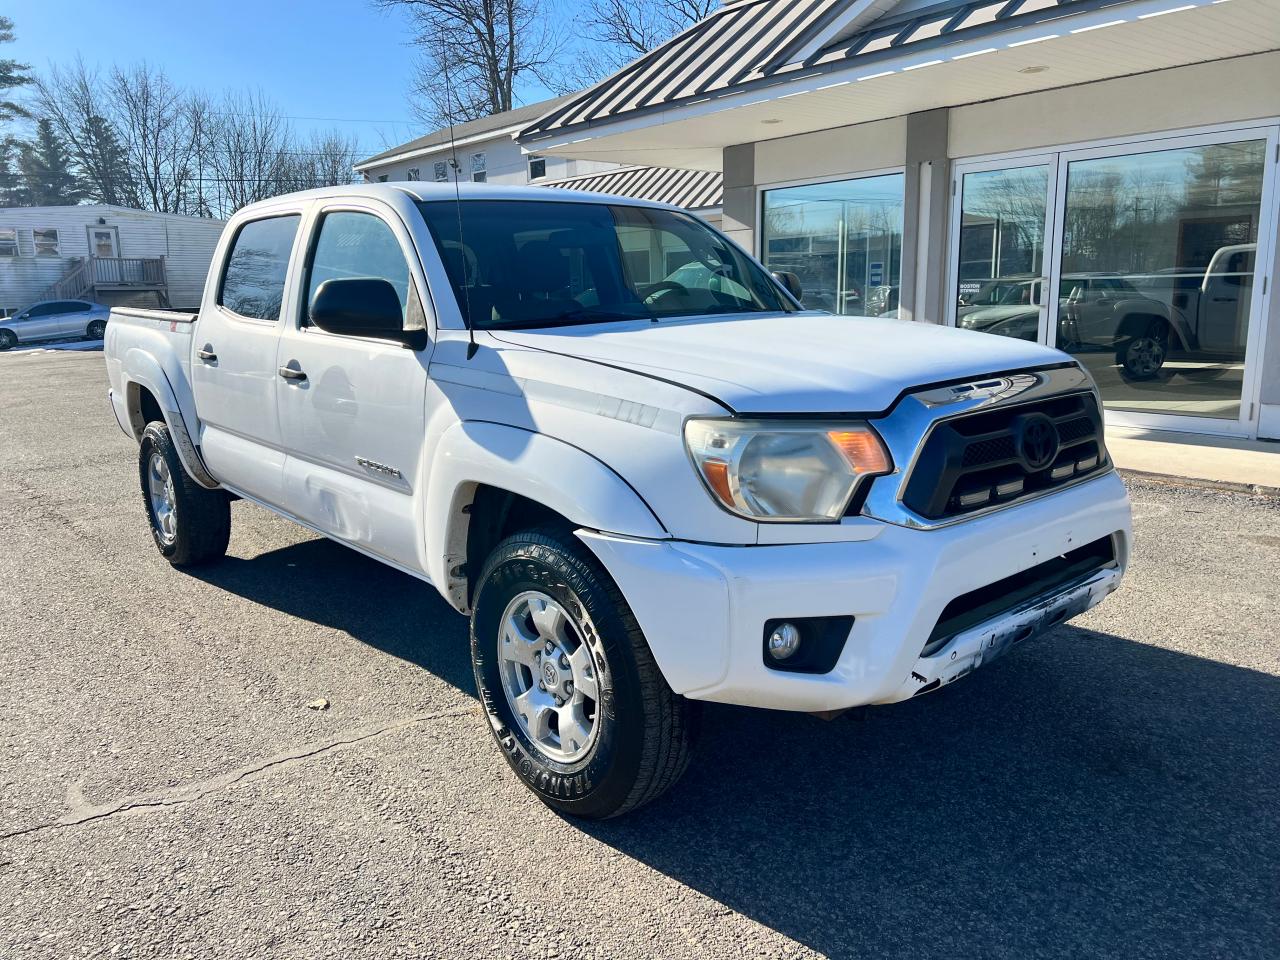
(1229, 486)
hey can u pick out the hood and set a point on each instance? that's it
(792, 363)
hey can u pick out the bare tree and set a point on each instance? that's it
(326, 159)
(624, 30)
(246, 151)
(77, 104)
(155, 121)
(136, 139)
(475, 54)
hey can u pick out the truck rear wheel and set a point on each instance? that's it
(190, 525)
(572, 693)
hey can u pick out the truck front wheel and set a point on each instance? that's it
(572, 693)
(190, 525)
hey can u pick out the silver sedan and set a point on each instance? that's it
(55, 320)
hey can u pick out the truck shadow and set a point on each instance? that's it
(375, 604)
(1085, 795)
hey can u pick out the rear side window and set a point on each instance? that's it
(253, 281)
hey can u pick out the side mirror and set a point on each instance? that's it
(363, 307)
(790, 282)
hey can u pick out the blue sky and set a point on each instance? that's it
(340, 59)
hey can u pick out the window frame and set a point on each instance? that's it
(57, 242)
(17, 251)
(536, 158)
(417, 277)
(413, 174)
(230, 251)
(438, 167)
(482, 168)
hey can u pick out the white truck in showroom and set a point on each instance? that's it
(626, 450)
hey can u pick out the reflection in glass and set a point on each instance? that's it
(1157, 275)
(843, 240)
(1002, 232)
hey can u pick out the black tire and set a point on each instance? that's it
(96, 330)
(201, 523)
(8, 340)
(645, 732)
(1143, 354)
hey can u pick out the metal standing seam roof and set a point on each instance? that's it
(691, 189)
(751, 43)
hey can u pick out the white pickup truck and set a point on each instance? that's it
(624, 448)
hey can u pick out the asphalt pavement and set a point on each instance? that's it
(170, 785)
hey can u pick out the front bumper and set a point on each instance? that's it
(703, 607)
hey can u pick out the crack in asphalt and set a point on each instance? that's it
(192, 792)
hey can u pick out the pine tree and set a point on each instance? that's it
(45, 170)
(11, 194)
(12, 74)
(103, 163)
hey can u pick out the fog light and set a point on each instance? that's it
(783, 641)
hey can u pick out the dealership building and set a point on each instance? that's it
(1099, 175)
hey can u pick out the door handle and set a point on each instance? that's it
(208, 356)
(292, 373)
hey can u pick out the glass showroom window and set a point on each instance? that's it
(843, 240)
(1159, 255)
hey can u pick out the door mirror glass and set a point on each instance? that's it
(790, 282)
(360, 307)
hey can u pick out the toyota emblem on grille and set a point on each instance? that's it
(1037, 441)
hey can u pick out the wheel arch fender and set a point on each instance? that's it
(550, 472)
(143, 372)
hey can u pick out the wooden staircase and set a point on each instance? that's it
(90, 278)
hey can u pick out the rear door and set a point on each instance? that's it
(73, 318)
(352, 409)
(233, 371)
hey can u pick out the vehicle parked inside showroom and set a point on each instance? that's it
(55, 320)
(644, 495)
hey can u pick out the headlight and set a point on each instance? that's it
(781, 470)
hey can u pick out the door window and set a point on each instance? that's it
(358, 245)
(1149, 241)
(103, 242)
(253, 281)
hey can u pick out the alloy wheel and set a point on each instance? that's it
(163, 502)
(549, 676)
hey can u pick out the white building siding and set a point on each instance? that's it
(505, 163)
(186, 243)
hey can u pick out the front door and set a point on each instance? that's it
(104, 241)
(1142, 263)
(233, 369)
(352, 409)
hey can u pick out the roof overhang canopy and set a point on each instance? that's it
(945, 56)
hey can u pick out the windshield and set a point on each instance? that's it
(537, 263)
